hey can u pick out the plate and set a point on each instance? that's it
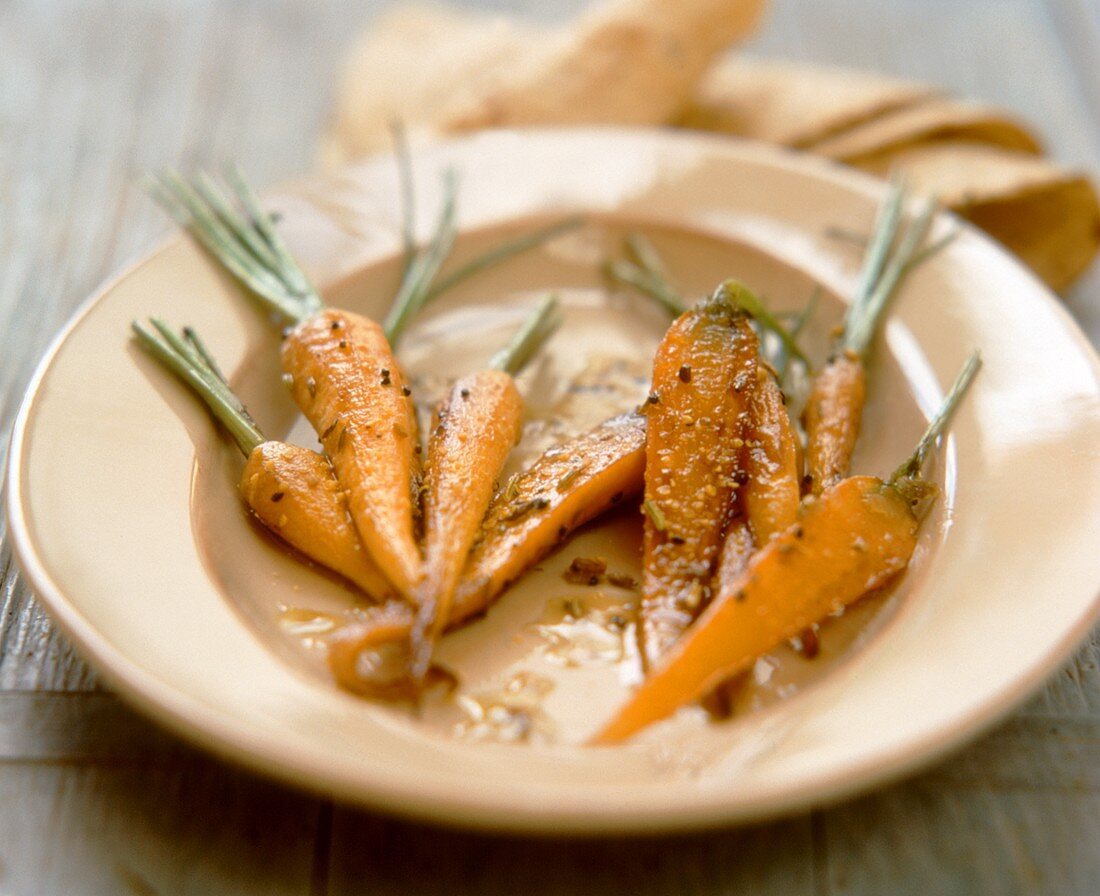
(124, 520)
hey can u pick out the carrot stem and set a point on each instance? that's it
(858, 337)
(744, 298)
(412, 293)
(782, 359)
(501, 253)
(188, 363)
(245, 241)
(408, 194)
(646, 272)
(911, 467)
(537, 327)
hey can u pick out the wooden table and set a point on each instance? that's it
(94, 799)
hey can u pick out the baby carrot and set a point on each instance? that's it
(854, 538)
(474, 430)
(566, 487)
(703, 375)
(341, 367)
(834, 407)
(347, 382)
(291, 490)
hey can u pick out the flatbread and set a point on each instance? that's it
(441, 70)
(794, 104)
(625, 62)
(930, 121)
(1046, 214)
(418, 64)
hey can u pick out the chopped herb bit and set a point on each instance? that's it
(620, 580)
(569, 477)
(585, 571)
(524, 508)
(655, 514)
(808, 643)
(276, 497)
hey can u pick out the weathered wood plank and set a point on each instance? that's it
(392, 858)
(195, 827)
(76, 727)
(954, 841)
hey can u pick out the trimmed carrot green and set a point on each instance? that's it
(834, 408)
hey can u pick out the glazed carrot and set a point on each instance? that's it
(832, 418)
(291, 490)
(566, 487)
(704, 373)
(769, 498)
(772, 491)
(347, 382)
(854, 538)
(341, 366)
(834, 407)
(473, 433)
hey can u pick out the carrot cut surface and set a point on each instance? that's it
(703, 375)
(854, 538)
(347, 382)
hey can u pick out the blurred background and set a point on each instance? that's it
(95, 94)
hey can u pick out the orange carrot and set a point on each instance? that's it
(703, 375)
(565, 488)
(290, 490)
(347, 382)
(834, 409)
(854, 538)
(771, 492)
(341, 366)
(474, 430)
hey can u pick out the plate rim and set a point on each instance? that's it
(204, 725)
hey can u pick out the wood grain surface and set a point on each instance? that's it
(96, 800)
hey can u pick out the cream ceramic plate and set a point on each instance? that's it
(126, 524)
